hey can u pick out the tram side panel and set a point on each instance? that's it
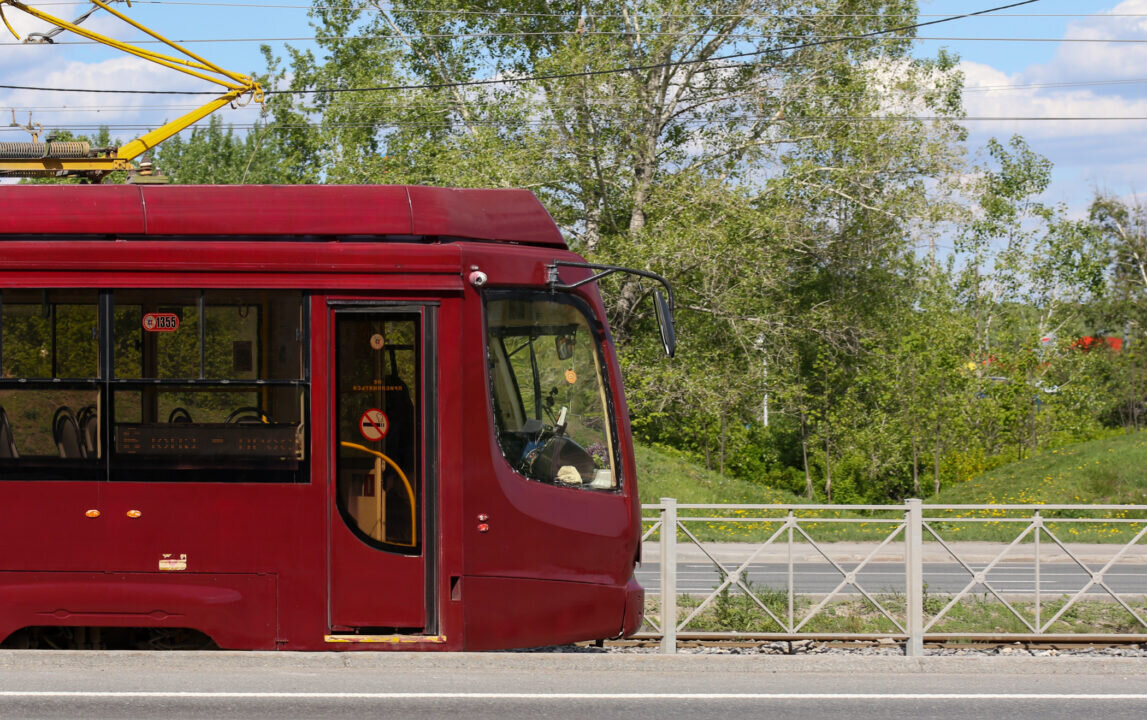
(157, 545)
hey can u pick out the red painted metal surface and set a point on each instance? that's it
(522, 612)
(235, 610)
(556, 563)
(283, 210)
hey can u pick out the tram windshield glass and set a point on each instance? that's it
(551, 408)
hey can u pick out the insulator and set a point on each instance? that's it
(27, 173)
(36, 151)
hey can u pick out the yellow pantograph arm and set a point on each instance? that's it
(236, 84)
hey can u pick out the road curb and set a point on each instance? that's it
(172, 661)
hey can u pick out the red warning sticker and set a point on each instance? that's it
(161, 322)
(373, 425)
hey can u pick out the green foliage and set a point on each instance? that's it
(214, 155)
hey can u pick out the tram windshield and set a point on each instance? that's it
(551, 408)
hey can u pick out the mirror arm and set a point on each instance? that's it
(553, 276)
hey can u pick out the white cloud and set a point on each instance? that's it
(1082, 80)
(1086, 61)
(88, 66)
(990, 93)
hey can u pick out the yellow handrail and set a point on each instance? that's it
(409, 490)
(237, 85)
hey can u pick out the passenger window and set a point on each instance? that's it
(208, 386)
(202, 385)
(49, 392)
(49, 334)
(551, 412)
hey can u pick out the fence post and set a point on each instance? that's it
(669, 575)
(914, 576)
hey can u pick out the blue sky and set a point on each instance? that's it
(1080, 75)
(1007, 77)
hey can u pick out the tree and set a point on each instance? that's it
(1122, 226)
(214, 155)
(775, 178)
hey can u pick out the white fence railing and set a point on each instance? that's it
(899, 572)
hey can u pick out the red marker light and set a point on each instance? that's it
(483, 528)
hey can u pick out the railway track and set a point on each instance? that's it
(1073, 646)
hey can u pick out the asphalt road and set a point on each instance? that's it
(520, 686)
(820, 578)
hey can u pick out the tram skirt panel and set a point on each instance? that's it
(511, 612)
(238, 611)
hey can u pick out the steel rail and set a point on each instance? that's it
(1002, 638)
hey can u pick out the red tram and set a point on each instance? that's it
(308, 418)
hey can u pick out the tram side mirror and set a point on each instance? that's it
(564, 345)
(665, 323)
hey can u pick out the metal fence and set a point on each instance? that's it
(902, 573)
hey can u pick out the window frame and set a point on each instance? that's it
(104, 463)
(600, 337)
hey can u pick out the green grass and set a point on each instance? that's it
(1107, 472)
(854, 614)
(1101, 472)
(665, 473)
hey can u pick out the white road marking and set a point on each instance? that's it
(561, 696)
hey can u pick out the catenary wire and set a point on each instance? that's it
(489, 13)
(556, 76)
(476, 36)
(397, 103)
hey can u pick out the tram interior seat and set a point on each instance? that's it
(88, 422)
(179, 415)
(7, 441)
(247, 415)
(66, 433)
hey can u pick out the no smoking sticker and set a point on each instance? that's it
(373, 425)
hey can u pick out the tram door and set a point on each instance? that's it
(379, 574)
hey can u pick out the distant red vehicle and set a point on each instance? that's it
(308, 418)
(1086, 344)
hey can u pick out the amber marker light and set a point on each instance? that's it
(92, 513)
(134, 514)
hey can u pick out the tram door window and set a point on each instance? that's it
(377, 408)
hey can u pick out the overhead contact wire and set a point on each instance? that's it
(557, 76)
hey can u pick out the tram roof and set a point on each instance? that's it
(327, 211)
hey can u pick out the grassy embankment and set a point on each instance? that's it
(1100, 472)
(1105, 471)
